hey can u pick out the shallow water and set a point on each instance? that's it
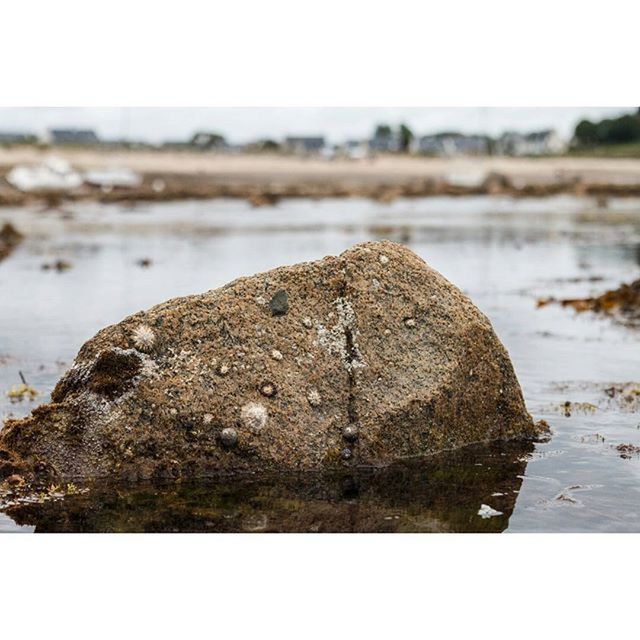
(504, 253)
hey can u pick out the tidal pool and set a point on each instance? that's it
(504, 253)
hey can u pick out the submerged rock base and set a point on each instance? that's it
(355, 360)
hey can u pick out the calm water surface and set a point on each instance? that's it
(503, 253)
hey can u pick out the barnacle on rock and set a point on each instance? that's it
(314, 398)
(222, 369)
(229, 437)
(143, 337)
(350, 433)
(253, 416)
(268, 389)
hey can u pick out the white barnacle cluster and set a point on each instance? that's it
(143, 337)
(253, 416)
(346, 314)
(149, 368)
(340, 339)
(383, 259)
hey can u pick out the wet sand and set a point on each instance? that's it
(263, 179)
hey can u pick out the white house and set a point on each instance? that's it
(537, 143)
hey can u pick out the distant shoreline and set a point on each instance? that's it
(264, 179)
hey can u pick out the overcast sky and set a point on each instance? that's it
(243, 124)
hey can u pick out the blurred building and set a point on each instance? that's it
(13, 137)
(71, 137)
(537, 143)
(385, 142)
(451, 144)
(355, 149)
(304, 144)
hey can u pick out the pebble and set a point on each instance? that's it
(279, 304)
(276, 355)
(346, 454)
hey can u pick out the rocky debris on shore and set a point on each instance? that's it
(349, 361)
(54, 174)
(622, 304)
(10, 238)
(112, 177)
(36, 185)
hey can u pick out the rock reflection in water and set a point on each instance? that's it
(440, 494)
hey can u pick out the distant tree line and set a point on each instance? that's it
(403, 134)
(620, 130)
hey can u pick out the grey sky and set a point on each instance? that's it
(242, 124)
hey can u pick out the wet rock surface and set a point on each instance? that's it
(377, 358)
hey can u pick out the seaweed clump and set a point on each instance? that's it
(10, 238)
(622, 303)
(109, 376)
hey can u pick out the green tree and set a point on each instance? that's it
(586, 133)
(624, 129)
(406, 136)
(207, 140)
(383, 131)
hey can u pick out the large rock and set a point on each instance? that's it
(360, 359)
